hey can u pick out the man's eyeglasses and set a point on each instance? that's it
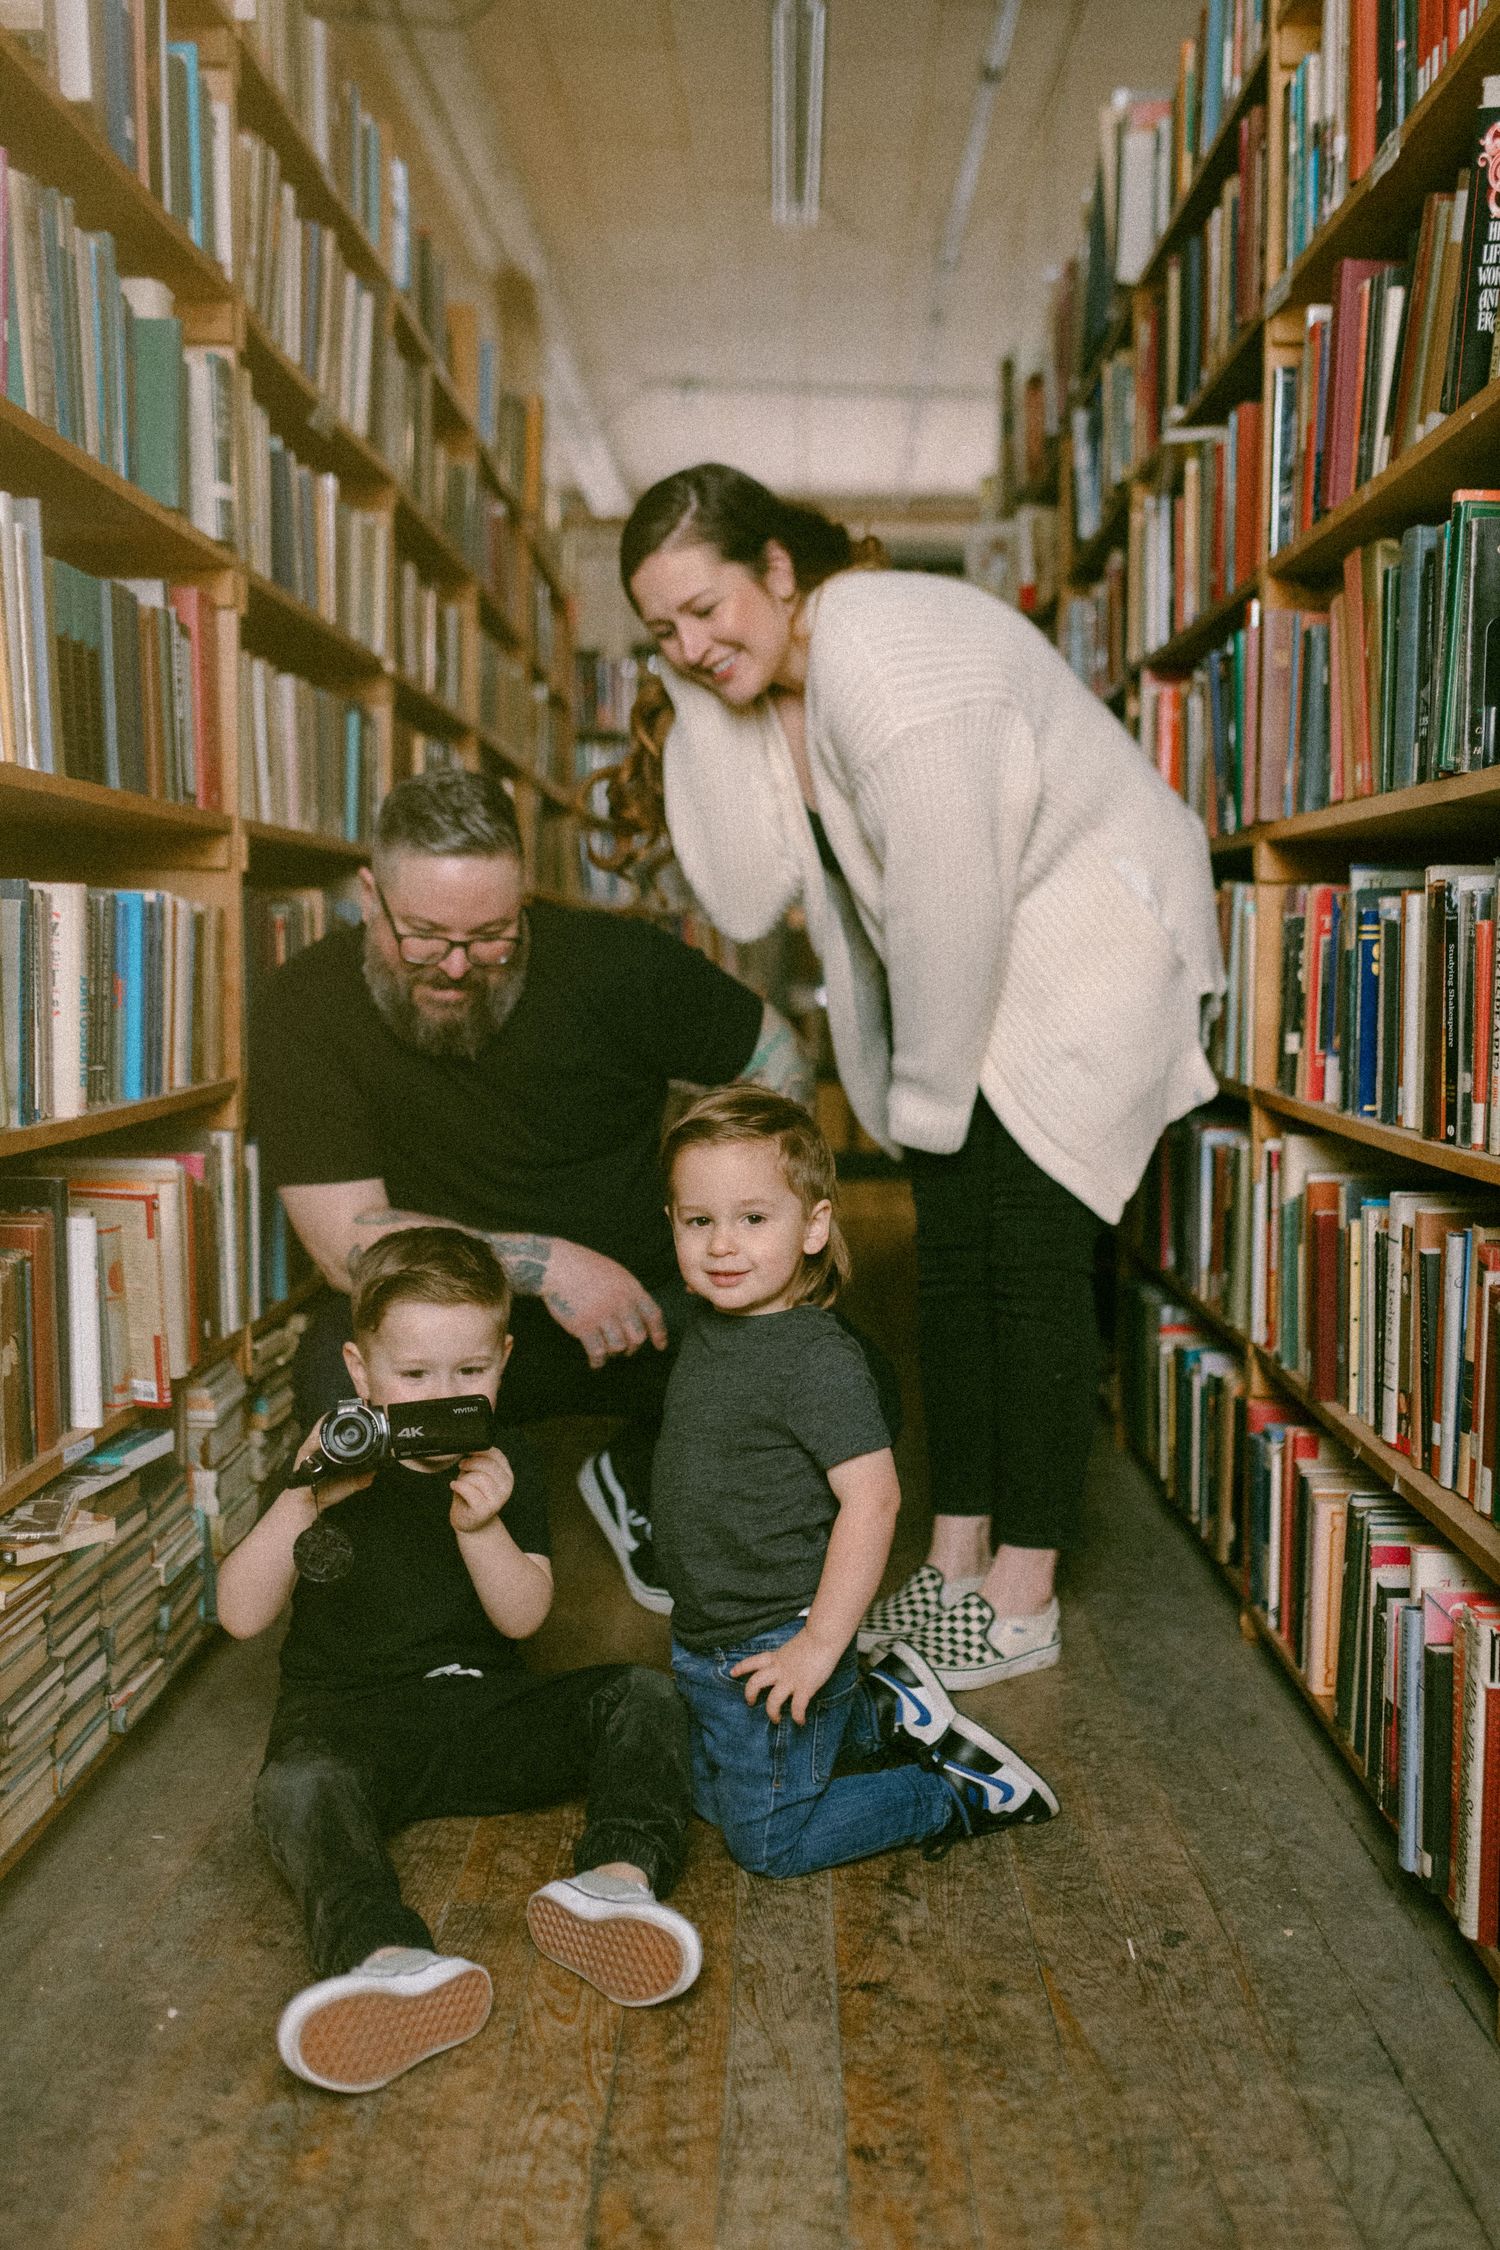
(423, 951)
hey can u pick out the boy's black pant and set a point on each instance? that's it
(343, 1771)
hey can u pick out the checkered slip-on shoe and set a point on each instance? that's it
(617, 1936)
(897, 1617)
(968, 1646)
(358, 2031)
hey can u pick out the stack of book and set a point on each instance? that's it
(1102, 427)
(429, 635)
(1382, 1298)
(105, 996)
(32, 1690)
(177, 1563)
(1183, 1399)
(605, 690)
(1091, 629)
(75, 1639)
(310, 759)
(1195, 1212)
(297, 529)
(1387, 999)
(1211, 288)
(1193, 541)
(295, 280)
(220, 1479)
(1231, 1042)
(1394, 1633)
(1211, 70)
(1345, 99)
(1199, 728)
(504, 696)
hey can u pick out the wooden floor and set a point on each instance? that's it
(1198, 2009)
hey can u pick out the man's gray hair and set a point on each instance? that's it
(449, 813)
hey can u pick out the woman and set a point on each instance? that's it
(1016, 921)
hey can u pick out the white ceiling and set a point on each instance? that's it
(618, 149)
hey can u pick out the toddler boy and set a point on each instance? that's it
(403, 1697)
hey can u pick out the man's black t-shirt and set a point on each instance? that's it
(407, 1603)
(551, 1129)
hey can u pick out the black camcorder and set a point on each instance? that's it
(357, 1436)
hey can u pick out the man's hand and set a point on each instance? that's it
(330, 1490)
(599, 1302)
(485, 1481)
(796, 1670)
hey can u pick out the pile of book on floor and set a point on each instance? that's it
(101, 1598)
(1399, 1637)
(217, 1450)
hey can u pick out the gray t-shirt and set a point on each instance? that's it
(759, 1408)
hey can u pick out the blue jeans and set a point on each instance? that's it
(786, 1801)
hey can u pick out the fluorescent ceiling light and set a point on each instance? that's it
(798, 33)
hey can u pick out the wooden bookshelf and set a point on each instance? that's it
(54, 825)
(1453, 818)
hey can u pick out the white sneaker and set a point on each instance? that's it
(968, 1646)
(617, 1935)
(358, 2031)
(925, 1594)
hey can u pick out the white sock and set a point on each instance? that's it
(954, 1589)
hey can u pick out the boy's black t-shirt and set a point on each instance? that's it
(407, 1602)
(551, 1129)
(759, 1408)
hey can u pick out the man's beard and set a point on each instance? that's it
(489, 997)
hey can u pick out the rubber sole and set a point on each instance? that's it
(627, 1958)
(601, 1506)
(1004, 1668)
(357, 2041)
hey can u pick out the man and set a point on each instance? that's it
(470, 1056)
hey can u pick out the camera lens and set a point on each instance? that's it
(350, 1434)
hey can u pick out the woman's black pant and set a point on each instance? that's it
(1008, 1335)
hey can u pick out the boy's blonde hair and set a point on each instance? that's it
(427, 1266)
(752, 1113)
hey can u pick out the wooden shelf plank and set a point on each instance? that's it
(1218, 161)
(71, 1448)
(497, 622)
(291, 635)
(55, 1132)
(59, 142)
(429, 545)
(1237, 377)
(1182, 652)
(94, 518)
(1418, 488)
(424, 710)
(523, 769)
(299, 414)
(266, 840)
(45, 800)
(1379, 213)
(1393, 1140)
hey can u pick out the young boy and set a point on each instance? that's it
(774, 1502)
(403, 1698)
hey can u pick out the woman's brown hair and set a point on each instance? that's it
(730, 512)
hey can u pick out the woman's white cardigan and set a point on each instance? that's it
(1040, 904)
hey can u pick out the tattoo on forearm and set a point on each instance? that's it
(525, 1257)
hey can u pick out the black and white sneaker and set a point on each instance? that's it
(628, 1531)
(993, 1786)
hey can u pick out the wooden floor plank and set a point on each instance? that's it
(1347, 1964)
(670, 2087)
(909, 2172)
(782, 2177)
